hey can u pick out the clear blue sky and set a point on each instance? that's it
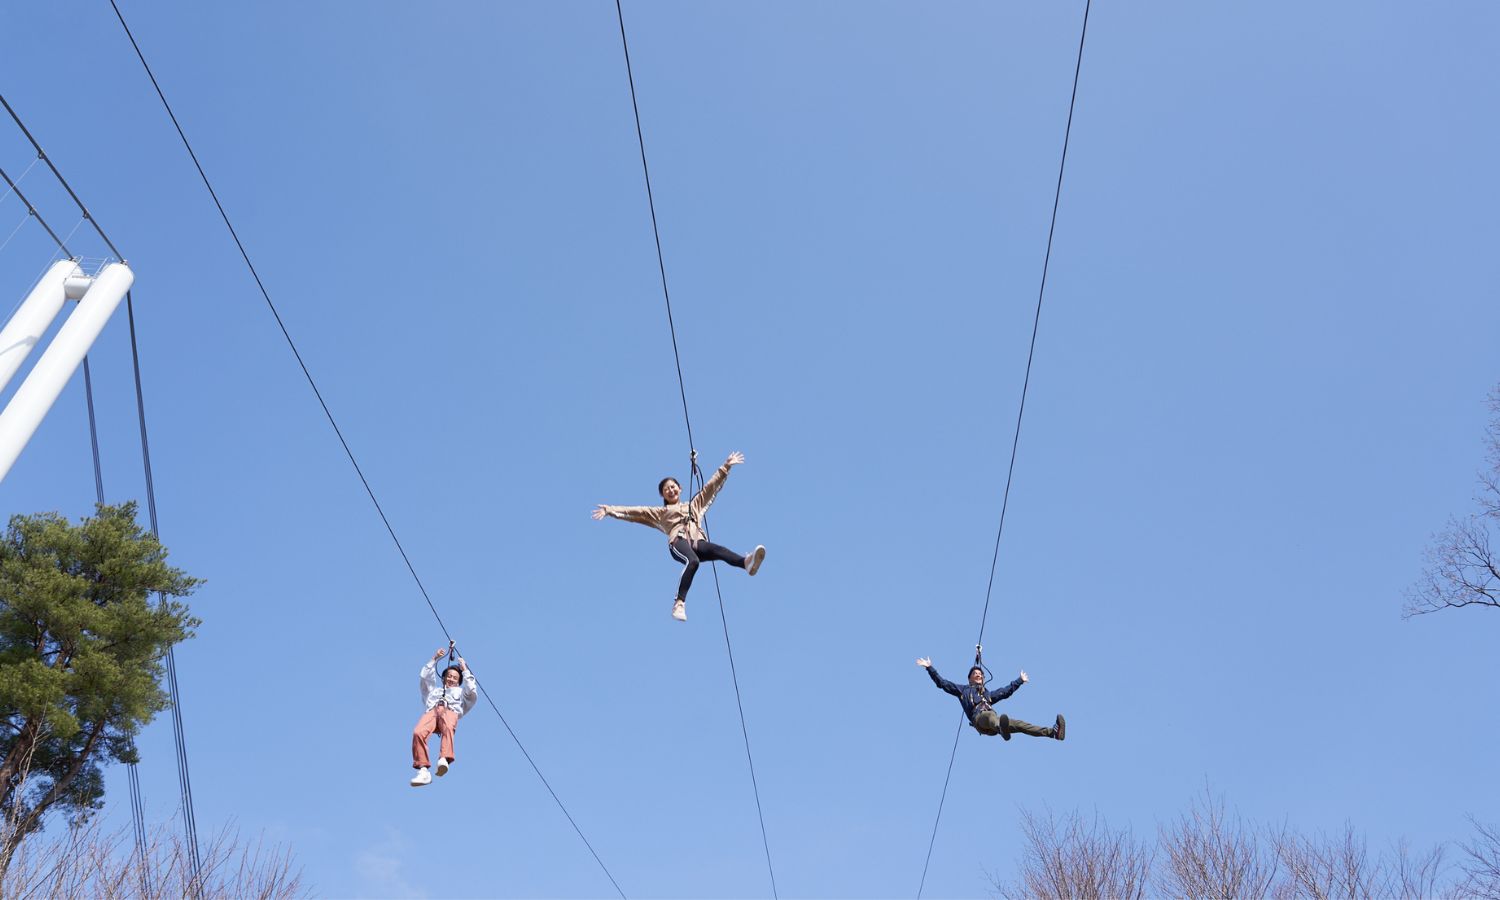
(1259, 388)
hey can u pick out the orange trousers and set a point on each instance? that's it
(440, 719)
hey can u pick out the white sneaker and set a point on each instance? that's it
(754, 558)
(422, 777)
(679, 611)
(442, 766)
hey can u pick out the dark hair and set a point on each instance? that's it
(979, 669)
(661, 485)
(452, 669)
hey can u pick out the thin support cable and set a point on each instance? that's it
(1025, 385)
(185, 781)
(88, 393)
(661, 263)
(137, 817)
(327, 412)
(952, 754)
(10, 188)
(306, 373)
(544, 781)
(696, 473)
(137, 806)
(1036, 319)
(62, 245)
(74, 230)
(14, 231)
(744, 730)
(42, 155)
(184, 774)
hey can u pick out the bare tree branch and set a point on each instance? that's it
(88, 862)
(1072, 859)
(1462, 567)
(1481, 862)
(1210, 855)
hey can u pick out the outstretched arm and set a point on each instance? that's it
(939, 680)
(645, 515)
(705, 496)
(999, 694)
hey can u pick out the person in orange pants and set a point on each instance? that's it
(446, 704)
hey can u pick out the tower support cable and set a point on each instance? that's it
(189, 818)
(692, 447)
(137, 815)
(1020, 413)
(15, 188)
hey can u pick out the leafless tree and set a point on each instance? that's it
(1481, 862)
(1211, 856)
(87, 862)
(1463, 567)
(1322, 868)
(1074, 859)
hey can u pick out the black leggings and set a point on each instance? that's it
(689, 553)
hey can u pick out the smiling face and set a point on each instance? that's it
(452, 676)
(670, 490)
(976, 676)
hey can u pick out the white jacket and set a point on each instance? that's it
(460, 699)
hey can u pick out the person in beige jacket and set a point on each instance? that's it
(683, 524)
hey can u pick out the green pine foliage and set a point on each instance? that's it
(87, 613)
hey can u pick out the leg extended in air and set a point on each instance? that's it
(692, 553)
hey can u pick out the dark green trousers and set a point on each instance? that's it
(988, 722)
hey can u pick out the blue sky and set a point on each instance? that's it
(1259, 388)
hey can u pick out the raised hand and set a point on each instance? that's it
(1024, 677)
(598, 512)
(925, 662)
(442, 652)
(734, 459)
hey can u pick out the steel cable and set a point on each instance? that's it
(1020, 412)
(692, 447)
(328, 413)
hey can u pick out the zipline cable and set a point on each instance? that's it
(328, 413)
(490, 700)
(696, 472)
(1020, 412)
(184, 777)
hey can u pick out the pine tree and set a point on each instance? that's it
(81, 658)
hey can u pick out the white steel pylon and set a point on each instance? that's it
(98, 298)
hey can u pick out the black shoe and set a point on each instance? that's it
(1060, 730)
(1005, 727)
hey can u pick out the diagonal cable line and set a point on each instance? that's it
(179, 731)
(184, 776)
(15, 188)
(1020, 412)
(137, 817)
(682, 389)
(488, 699)
(42, 155)
(328, 413)
(11, 186)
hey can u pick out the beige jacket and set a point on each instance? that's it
(679, 519)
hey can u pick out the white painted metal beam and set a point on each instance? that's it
(42, 387)
(33, 318)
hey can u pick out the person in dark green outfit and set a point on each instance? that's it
(978, 701)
